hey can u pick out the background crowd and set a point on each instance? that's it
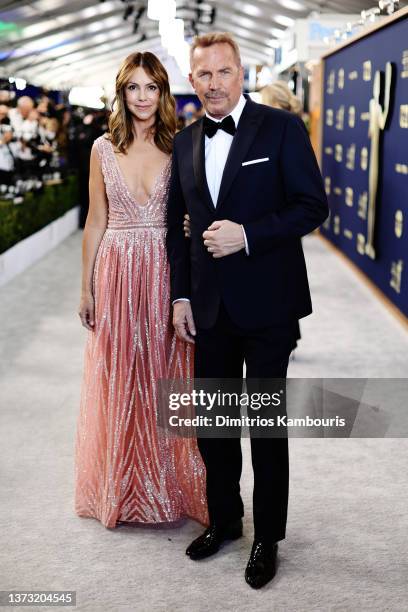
(41, 140)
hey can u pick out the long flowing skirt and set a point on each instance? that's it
(126, 468)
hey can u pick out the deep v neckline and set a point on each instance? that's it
(125, 183)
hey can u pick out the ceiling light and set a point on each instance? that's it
(154, 9)
(161, 9)
(244, 21)
(292, 5)
(277, 33)
(250, 9)
(284, 20)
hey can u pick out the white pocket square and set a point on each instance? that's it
(255, 161)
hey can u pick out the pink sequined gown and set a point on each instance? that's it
(125, 469)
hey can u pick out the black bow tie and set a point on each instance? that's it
(211, 127)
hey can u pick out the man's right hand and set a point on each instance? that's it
(183, 321)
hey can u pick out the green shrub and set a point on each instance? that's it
(18, 221)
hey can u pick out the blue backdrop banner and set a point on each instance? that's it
(365, 155)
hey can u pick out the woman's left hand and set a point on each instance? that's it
(187, 226)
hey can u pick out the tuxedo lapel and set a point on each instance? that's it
(248, 125)
(199, 163)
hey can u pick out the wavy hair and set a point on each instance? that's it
(120, 130)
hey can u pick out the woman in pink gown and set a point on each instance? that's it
(126, 469)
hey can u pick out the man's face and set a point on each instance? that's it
(25, 105)
(216, 78)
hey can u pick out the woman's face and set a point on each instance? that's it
(42, 106)
(142, 95)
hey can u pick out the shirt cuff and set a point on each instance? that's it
(180, 300)
(245, 240)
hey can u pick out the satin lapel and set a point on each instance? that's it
(248, 125)
(199, 163)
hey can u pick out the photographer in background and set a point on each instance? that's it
(24, 121)
(44, 146)
(6, 156)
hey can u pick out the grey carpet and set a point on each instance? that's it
(347, 544)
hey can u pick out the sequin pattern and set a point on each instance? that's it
(124, 469)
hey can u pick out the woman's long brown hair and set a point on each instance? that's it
(120, 120)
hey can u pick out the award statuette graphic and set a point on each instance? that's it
(378, 120)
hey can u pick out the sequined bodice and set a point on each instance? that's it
(124, 212)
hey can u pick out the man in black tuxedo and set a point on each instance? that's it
(247, 176)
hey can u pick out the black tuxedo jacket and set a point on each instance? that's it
(278, 201)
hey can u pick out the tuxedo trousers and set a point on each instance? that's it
(220, 353)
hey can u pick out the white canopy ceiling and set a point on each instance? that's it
(81, 42)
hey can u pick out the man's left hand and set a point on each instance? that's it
(224, 238)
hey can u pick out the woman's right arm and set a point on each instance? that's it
(94, 230)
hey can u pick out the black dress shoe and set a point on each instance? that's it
(261, 566)
(209, 542)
